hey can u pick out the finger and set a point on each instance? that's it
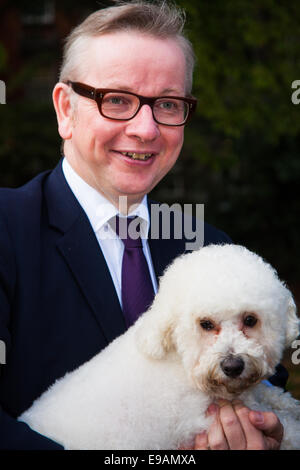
(183, 447)
(232, 427)
(201, 441)
(268, 422)
(272, 428)
(216, 437)
(254, 437)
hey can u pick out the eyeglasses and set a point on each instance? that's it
(123, 105)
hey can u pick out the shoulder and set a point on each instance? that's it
(19, 202)
(213, 235)
(186, 223)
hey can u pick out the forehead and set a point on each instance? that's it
(134, 61)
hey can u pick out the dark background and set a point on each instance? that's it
(241, 152)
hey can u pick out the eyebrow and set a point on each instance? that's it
(166, 91)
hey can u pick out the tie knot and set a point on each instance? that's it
(128, 229)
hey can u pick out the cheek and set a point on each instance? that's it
(207, 340)
(172, 136)
(177, 139)
(103, 134)
(93, 130)
(252, 333)
(172, 143)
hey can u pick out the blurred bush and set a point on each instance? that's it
(240, 156)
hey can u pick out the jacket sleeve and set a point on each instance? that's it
(280, 378)
(13, 433)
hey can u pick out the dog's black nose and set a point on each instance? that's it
(232, 366)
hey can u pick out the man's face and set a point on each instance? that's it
(96, 145)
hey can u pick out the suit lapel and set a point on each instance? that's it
(163, 251)
(78, 245)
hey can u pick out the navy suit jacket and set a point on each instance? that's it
(58, 305)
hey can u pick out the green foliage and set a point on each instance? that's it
(30, 144)
(241, 156)
(3, 57)
(241, 153)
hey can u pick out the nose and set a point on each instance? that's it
(232, 366)
(143, 125)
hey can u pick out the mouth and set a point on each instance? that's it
(143, 157)
(230, 387)
(215, 383)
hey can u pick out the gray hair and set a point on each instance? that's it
(158, 19)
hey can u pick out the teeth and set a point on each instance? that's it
(137, 156)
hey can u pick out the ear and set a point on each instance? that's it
(292, 323)
(63, 108)
(154, 330)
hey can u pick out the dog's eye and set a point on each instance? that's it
(250, 321)
(207, 325)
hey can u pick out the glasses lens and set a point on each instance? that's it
(171, 111)
(119, 105)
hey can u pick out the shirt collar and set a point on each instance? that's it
(97, 208)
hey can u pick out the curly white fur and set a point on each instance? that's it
(150, 388)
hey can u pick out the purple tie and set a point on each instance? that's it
(137, 287)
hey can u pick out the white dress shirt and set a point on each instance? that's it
(99, 212)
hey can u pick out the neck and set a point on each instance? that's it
(125, 203)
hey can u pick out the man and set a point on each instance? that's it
(60, 280)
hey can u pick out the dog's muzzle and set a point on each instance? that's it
(232, 366)
(229, 376)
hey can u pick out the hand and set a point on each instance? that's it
(236, 427)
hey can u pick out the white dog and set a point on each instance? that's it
(217, 327)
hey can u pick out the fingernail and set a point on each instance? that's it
(200, 441)
(236, 401)
(212, 409)
(259, 417)
(222, 402)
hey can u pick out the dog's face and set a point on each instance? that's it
(226, 315)
(224, 357)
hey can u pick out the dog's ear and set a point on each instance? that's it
(154, 331)
(292, 323)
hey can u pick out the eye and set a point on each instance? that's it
(169, 106)
(114, 99)
(250, 321)
(207, 325)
